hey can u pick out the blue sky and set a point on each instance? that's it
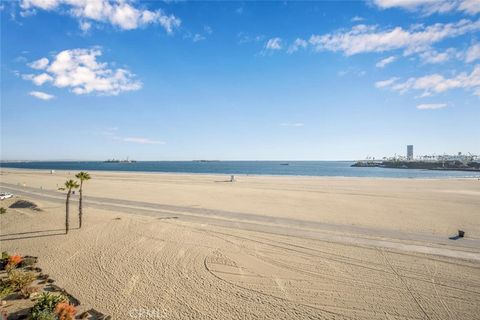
(155, 80)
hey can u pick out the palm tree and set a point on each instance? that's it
(69, 185)
(83, 176)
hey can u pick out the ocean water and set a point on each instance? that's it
(295, 168)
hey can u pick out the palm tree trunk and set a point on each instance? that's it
(80, 207)
(66, 212)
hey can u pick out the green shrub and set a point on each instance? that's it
(5, 290)
(45, 315)
(28, 261)
(3, 210)
(46, 303)
(20, 279)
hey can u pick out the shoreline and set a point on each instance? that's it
(218, 175)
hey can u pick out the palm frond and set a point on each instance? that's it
(83, 176)
(71, 184)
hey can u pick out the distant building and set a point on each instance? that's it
(410, 152)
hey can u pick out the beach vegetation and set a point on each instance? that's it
(45, 315)
(15, 259)
(82, 176)
(3, 210)
(19, 279)
(4, 260)
(46, 303)
(30, 291)
(69, 186)
(28, 261)
(5, 289)
(65, 311)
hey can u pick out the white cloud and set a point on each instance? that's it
(142, 140)
(470, 6)
(85, 26)
(436, 83)
(357, 19)
(245, 38)
(386, 83)
(38, 79)
(433, 57)
(120, 13)
(382, 63)
(79, 70)
(41, 95)
(274, 44)
(431, 6)
(418, 38)
(431, 106)
(473, 53)
(297, 44)
(42, 4)
(39, 64)
(198, 37)
(294, 124)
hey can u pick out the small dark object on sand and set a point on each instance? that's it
(24, 204)
(461, 233)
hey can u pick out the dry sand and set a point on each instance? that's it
(189, 247)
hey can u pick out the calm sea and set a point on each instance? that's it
(296, 168)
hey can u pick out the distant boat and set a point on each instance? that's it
(285, 164)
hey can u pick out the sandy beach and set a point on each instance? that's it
(263, 247)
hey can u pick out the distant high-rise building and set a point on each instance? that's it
(410, 152)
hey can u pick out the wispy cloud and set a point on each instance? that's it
(432, 6)
(431, 106)
(197, 37)
(139, 140)
(274, 44)
(79, 70)
(245, 38)
(41, 95)
(371, 38)
(435, 83)
(297, 45)
(386, 83)
(357, 19)
(294, 124)
(473, 53)
(119, 13)
(382, 63)
(434, 57)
